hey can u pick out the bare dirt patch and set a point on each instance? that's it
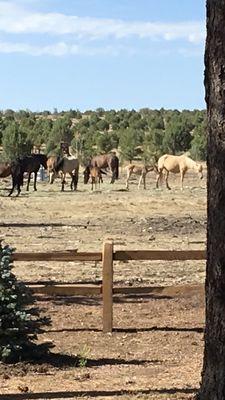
(155, 351)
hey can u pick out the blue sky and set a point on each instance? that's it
(85, 54)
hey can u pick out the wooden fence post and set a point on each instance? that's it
(107, 286)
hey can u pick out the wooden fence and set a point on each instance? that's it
(107, 256)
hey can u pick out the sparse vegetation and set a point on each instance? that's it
(143, 134)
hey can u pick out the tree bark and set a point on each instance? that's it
(213, 373)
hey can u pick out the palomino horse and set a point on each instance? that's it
(66, 165)
(176, 164)
(140, 170)
(30, 164)
(5, 169)
(95, 173)
(107, 161)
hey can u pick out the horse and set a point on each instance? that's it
(65, 165)
(16, 168)
(106, 161)
(177, 164)
(95, 173)
(30, 164)
(140, 170)
(5, 169)
(52, 161)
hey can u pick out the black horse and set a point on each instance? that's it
(29, 164)
(105, 161)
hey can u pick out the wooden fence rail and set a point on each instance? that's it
(107, 256)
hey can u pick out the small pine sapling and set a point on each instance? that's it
(20, 320)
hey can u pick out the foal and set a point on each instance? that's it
(95, 173)
(140, 170)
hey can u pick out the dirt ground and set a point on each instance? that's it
(155, 351)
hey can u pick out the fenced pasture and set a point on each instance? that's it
(106, 289)
(155, 350)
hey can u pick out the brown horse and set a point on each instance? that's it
(5, 169)
(63, 166)
(106, 161)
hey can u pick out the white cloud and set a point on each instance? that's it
(17, 20)
(61, 49)
(85, 35)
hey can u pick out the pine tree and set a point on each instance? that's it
(20, 320)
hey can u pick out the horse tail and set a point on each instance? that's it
(116, 159)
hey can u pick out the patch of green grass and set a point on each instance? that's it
(83, 357)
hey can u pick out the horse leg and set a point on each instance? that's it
(113, 175)
(18, 190)
(76, 177)
(181, 179)
(139, 183)
(63, 182)
(92, 183)
(72, 181)
(127, 181)
(13, 186)
(167, 176)
(159, 175)
(11, 191)
(28, 181)
(35, 181)
(144, 180)
(157, 180)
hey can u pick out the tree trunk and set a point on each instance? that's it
(213, 373)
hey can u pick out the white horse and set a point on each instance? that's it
(63, 166)
(176, 164)
(140, 170)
